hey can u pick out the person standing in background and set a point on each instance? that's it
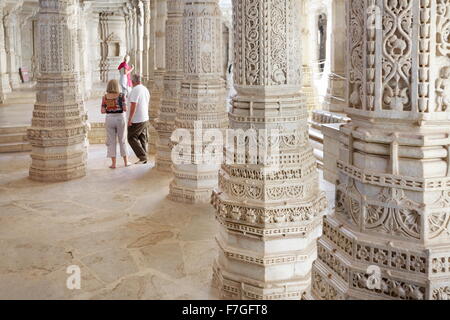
(125, 75)
(138, 120)
(114, 106)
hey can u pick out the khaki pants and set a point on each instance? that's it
(138, 139)
(116, 126)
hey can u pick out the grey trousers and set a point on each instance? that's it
(116, 128)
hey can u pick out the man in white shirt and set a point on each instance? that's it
(138, 120)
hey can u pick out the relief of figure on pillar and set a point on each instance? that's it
(443, 90)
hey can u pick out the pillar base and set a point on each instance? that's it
(189, 196)
(57, 175)
(408, 271)
(237, 288)
(153, 140)
(163, 148)
(164, 166)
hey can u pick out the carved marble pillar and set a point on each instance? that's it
(139, 34)
(95, 57)
(4, 76)
(58, 131)
(309, 90)
(165, 123)
(389, 237)
(161, 17)
(157, 85)
(85, 67)
(11, 27)
(132, 36)
(270, 211)
(146, 41)
(28, 41)
(202, 101)
(152, 45)
(104, 17)
(335, 100)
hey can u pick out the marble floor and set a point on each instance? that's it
(129, 241)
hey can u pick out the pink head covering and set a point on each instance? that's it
(125, 65)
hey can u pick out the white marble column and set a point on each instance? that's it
(203, 101)
(157, 85)
(58, 131)
(85, 67)
(95, 57)
(389, 237)
(146, 51)
(335, 100)
(309, 90)
(269, 209)
(152, 45)
(104, 33)
(12, 32)
(161, 17)
(165, 123)
(5, 87)
(131, 23)
(139, 32)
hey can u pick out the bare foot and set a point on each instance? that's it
(127, 165)
(112, 167)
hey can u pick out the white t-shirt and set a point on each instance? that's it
(141, 96)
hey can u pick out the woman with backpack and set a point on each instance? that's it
(115, 107)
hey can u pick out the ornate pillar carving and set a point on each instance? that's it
(105, 38)
(139, 34)
(161, 17)
(309, 90)
(146, 41)
(58, 131)
(335, 100)
(4, 75)
(165, 124)
(202, 101)
(152, 60)
(28, 40)
(155, 97)
(95, 57)
(12, 32)
(270, 214)
(389, 237)
(157, 85)
(85, 67)
(132, 22)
